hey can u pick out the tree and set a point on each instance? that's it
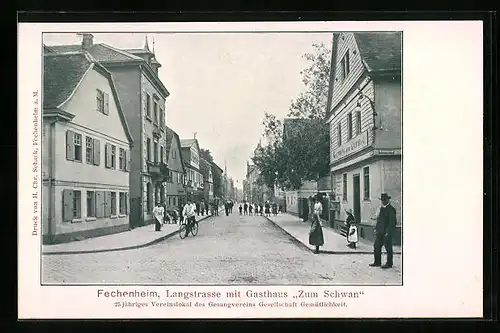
(302, 153)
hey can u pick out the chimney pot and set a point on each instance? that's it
(87, 41)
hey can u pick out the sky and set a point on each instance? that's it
(221, 84)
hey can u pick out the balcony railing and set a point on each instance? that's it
(158, 170)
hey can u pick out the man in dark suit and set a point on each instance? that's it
(384, 230)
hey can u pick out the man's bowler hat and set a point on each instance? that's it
(385, 196)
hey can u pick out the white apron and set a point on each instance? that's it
(352, 235)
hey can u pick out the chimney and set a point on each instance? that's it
(87, 41)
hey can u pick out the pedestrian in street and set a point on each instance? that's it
(202, 208)
(231, 206)
(261, 209)
(245, 208)
(198, 208)
(352, 231)
(158, 212)
(250, 209)
(256, 209)
(280, 209)
(181, 215)
(241, 209)
(275, 209)
(267, 209)
(384, 230)
(189, 213)
(316, 232)
(226, 207)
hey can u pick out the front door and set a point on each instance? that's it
(357, 198)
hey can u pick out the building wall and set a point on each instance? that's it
(292, 202)
(346, 43)
(388, 105)
(81, 175)
(148, 126)
(175, 189)
(127, 82)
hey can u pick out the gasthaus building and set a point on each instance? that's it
(365, 125)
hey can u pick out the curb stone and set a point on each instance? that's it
(157, 240)
(324, 251)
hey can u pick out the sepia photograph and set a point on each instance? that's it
(222, 158)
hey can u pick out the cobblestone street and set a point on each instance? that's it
(227, 250)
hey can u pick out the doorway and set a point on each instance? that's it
(356, 198)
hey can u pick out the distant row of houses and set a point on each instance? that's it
(364, 115)
(108, 155)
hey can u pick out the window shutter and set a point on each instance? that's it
(108, 155)
(127, 160)
(70, 145)
(107, 204)
(106, 103)
(99, 203)
(126, 203)
(67, 205)
(97, 152)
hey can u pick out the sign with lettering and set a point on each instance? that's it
(352, 146)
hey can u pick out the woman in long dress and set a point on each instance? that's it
(316, 232)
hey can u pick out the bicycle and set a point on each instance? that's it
(193, 228)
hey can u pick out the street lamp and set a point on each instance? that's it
(372, 105)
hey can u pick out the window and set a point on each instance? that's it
(113, 203)
(366, 183)
(110, 152)
(148, 105)
(149, 197)
(161, 154)
(121, 159)
(345, 65)
(344, 191)
(89, 150)
(90, 204)
(77, 201)
(123, 203)
(113, 157)
(339, 134)
(358, 122)
(102, 100)
(349, 126)
(148, 149)
(155, 112)
(73, 146)
(174, 154)
(155, 152)
(162, 118)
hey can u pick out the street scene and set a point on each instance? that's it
(261, 158)
(227, 250)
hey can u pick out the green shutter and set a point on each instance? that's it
(70, 145)
(67, 198)
(106, 103)
(99, 203)
(97, 152)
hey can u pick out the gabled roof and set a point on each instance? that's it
(187, 142)
(62, 76)
(109, 55)
(380, 51)
(170, 136)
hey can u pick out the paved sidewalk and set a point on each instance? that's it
(127, 240)
(334, 242)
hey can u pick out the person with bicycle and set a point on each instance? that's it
(189, 214)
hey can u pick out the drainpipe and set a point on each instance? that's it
(51, 195)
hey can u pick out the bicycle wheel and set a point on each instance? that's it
(194, 228)
(182, 230)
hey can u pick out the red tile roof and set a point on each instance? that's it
(62, 73)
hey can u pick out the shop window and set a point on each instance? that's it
(366, 183)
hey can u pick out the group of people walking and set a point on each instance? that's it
(384, 230)
(175, 216)
(247, 208)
